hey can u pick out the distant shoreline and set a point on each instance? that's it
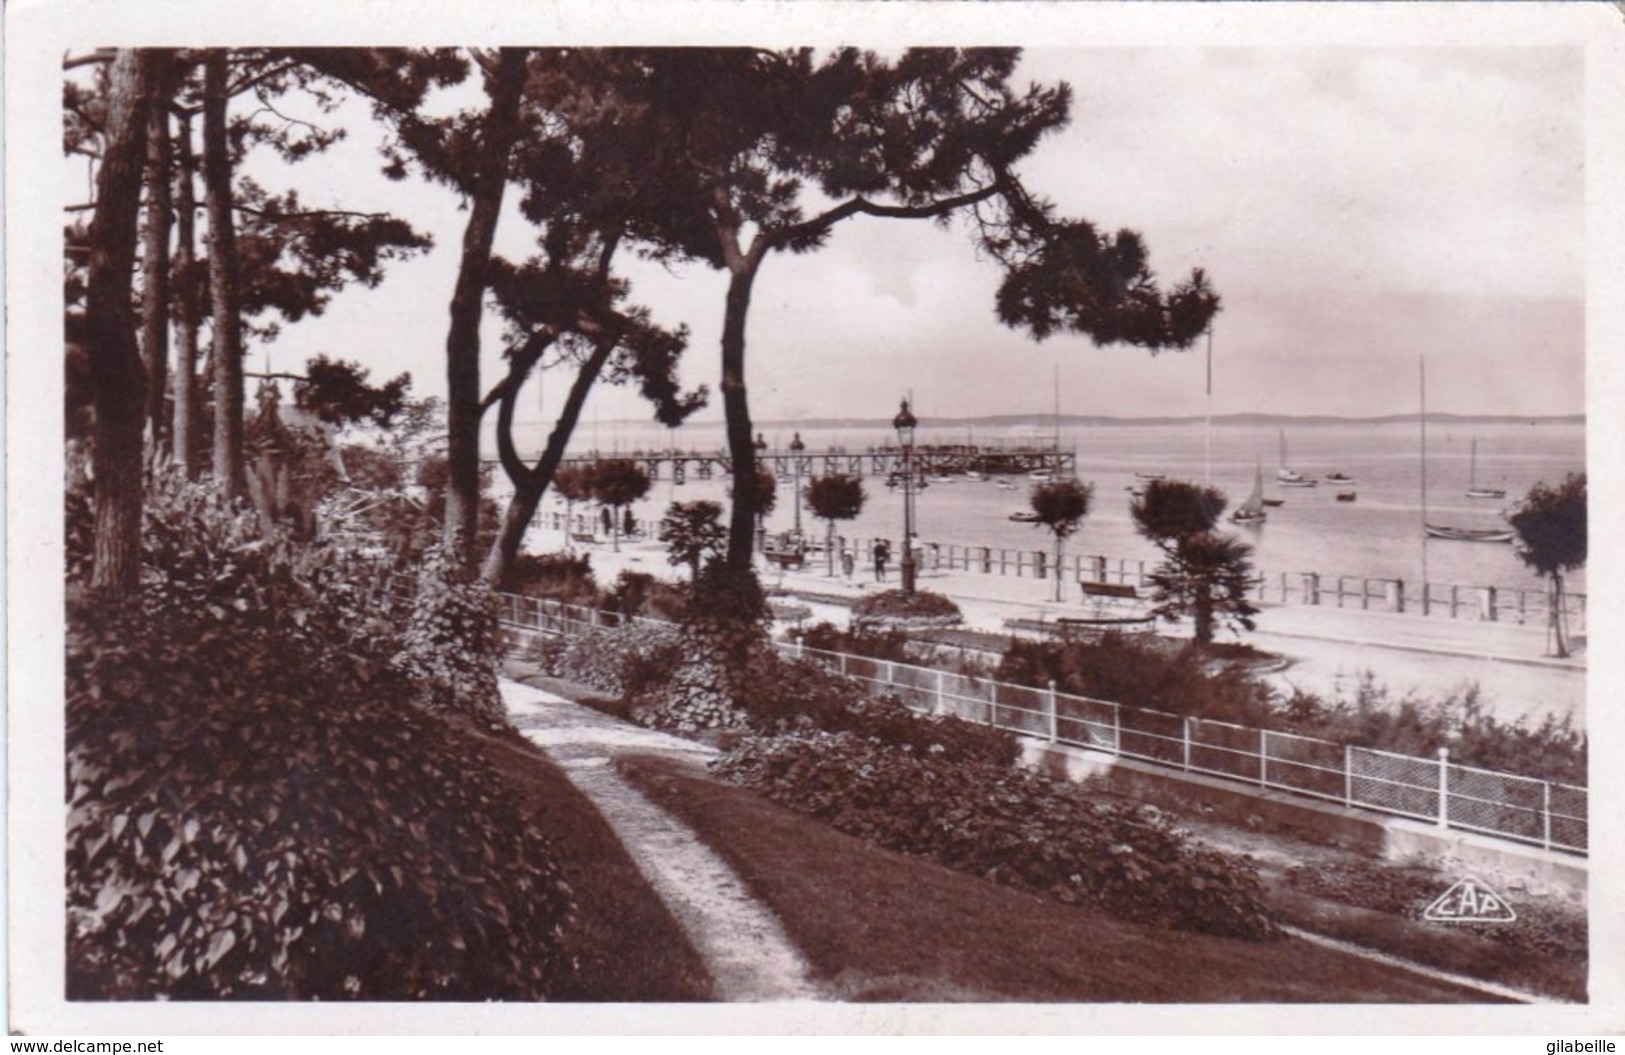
(1049, 421)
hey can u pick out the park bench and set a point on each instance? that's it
(586, 538)
(787, 558)
(1108, 592)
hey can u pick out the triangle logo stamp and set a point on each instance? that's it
(1470, 900)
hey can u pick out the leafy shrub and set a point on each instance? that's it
(630, 660)
(922, 605)
(1551, 750)
(253, 812)
(451, 643)
(557, 576)
(639, 593)
(1010, 825)
(1117, 667)
(862, 640)
(948, 738)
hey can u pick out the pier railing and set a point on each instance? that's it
(1541, 813)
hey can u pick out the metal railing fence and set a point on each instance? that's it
(1523, 809)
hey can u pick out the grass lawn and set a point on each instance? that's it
(628, 946)
(880, 926)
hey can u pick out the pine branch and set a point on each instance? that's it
(816, 226)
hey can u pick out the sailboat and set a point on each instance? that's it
(1473, 490)
(1449, 533)
(1289, 477)
(1251, 511)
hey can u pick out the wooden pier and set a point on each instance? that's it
(884, 462)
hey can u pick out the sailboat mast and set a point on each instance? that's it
(1422, 375)
(1207, 436)
(1057, 417)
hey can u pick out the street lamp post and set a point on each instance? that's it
(796, 447)
(905, 423)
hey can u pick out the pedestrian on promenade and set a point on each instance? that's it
(882, 555)
(846, 563)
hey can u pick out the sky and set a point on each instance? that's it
(1355, 207)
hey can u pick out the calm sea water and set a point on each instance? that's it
(1377, 536)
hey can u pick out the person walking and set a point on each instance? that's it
(846, 563)
(882, 555)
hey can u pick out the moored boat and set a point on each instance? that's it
(1460, 534)
(1287, 476)
(1251, 510)
(1024, 516)
(1473, 490)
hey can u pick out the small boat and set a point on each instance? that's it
(1041, 474)
(1150, 476)
(1339, 478)
(1289, 477)
(1006, 485)
(1024, 516)
(1273, 503)
(1345, 496)
(1458, 534)
(1448, 532)
(938, 478)
(1251, 510)
(974, 477)
(1473, 490)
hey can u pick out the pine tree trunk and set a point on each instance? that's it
(529, 487)
(1558, 602)
(155, 266)
(117, 374)
(184, 433)
(223, 292)
(736, 407)
(467, 303)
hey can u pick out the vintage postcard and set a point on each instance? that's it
(813, 517)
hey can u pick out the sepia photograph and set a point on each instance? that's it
(603, 520)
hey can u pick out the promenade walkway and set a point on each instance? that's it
(743, 944)
(1330, 648)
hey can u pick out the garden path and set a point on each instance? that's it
(742, 942)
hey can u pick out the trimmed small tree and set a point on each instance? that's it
(831, 498)
(617, 484)
(1061, 506)
(693, 532)
(1205, 574)
(573, 483)
(1551, 527)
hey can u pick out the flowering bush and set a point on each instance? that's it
(1012, 826)
(896, 608)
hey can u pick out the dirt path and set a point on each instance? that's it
(744, 946)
